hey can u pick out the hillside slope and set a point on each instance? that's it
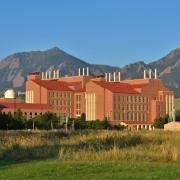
(15, 68)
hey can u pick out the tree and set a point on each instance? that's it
(7, 121)
(47, 121)
(159, 122)
(18, 120)
(178, 115)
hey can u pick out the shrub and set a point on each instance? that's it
(178, 115)
(159, 122)
(46, 121)
(79, 124)
(7, 121)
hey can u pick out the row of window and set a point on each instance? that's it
(29, 114)
(130, 107)
(60, 102)
(67, 109)
(59, 94)
(131, 116)
(130, 99)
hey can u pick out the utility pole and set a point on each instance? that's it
(33, 124)
(73, 125)
(66, 124)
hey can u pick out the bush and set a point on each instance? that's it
(7, 121)
(118, 127)
(79, 124)
(46, 121)
(97, 124)
(178, 115)
(159, 122)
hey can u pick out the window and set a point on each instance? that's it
(128, 116)
(119, 98)
(131, 117)
(123, 98)
(78, 105)
(114, 106)
(135, 117)
(131, 98)
(135, 98)
(122, 116)
(122, 107)
(118, 106)
(135, 107)
(114, 97)
(114, 116)
(119, 116)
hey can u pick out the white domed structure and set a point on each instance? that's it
(9, 94)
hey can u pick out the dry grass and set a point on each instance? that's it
(104, 145)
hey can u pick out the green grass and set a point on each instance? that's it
(56, 169)
(99, 154)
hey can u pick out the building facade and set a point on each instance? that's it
(134, 103)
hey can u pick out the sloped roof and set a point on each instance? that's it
(117, 87)
(12, 105)
(140, 85)
(53, 85)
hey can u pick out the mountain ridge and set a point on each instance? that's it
(15, 68)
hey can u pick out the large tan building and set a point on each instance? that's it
(135, 103)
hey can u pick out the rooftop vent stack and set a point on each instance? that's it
(106, 77)
(155, 73)
(87, 71)
(150, 73)
(83, 71)
(57, 73)
(109, 77)
(49, 74)
(46, 75)
(54, 74)
(144, 74)
(42, 76)
(119, 75)
(79, 71)
(114, 76)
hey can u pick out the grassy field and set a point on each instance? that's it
(55, 169)
(90, 155)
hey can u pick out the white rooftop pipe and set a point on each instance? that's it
(42, 76)
(119, 76)
(155, 73)
(46, 75)
(49, 74)
(87, 71)
(83, 71)
(54, 74)
(114, 76)
(79, 72)
(109, 77)
(144, 74)
(57, 73)
(106, 77)
(150, 73)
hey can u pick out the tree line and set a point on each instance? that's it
(48, 121)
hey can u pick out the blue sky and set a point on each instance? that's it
(114, 32)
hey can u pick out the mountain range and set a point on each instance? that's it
(15, 68)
